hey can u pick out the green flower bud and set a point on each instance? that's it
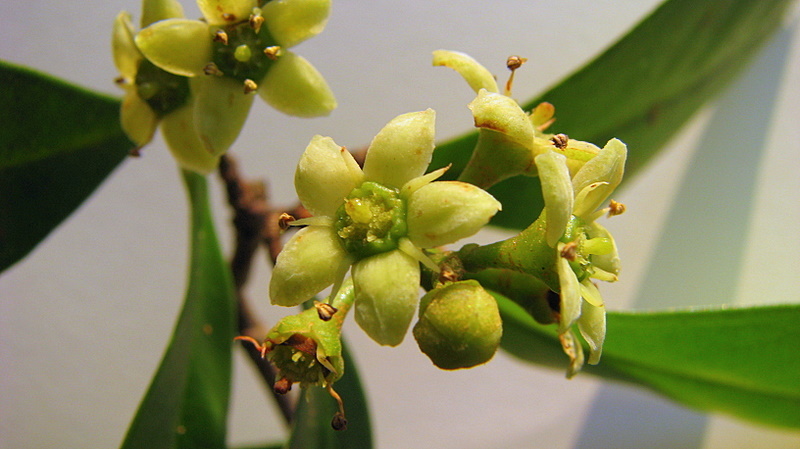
(459, 325)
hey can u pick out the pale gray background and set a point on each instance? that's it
(84, 320)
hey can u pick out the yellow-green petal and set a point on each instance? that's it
(444, 212)
(476, 75)
(502, 114)
(608, 262)
(226, 12)
(325, 175)
(138, 119)
(293, 21)
(569, 292)
(592, 325)
(311, 260)
(293, 86)
(178, 130)
(402, 150)
(155, 10)
(607, 167)
(387, 293)
(123, 47)
(221, 108)
(179, 46)
(557, 194)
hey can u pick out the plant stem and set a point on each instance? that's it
(250, 221)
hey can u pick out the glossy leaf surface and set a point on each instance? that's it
(186, 405)
(58, 142)
(740, 362)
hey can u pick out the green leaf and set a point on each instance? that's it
(186, 405)
(735, 361)
(315, 408)
(57, 144)
(642, 89)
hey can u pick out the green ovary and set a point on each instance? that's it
(372, 220)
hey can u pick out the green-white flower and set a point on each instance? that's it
(509, 138)
(585, 249)
(375, 220)
(153, 96)
(238, 48)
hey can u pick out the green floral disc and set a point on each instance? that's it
(242, 57)
(372, 220)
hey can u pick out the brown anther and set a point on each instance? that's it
(448, 275)
(615, 208)
(250, 86)
(228, 17)
(570, 251)
(282, 386)
(221, 36)
(284, 220)
(212, 69)
(135, 152)
(120, 81)
(325, 310)
(256, 20)
(339, 422)
(560, 141)
(514, 62)
(273, 52)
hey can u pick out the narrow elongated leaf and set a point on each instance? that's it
(57, 143)
(642, 89)
(187, 403)
(312, 426)
(737, 361)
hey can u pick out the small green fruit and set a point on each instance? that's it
(459, 325)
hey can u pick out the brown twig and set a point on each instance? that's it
(251, 220)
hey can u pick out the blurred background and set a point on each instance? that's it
(84, 320)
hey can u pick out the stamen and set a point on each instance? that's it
(513, 63)
(570, 251)
(339, 422)
(282, 386)
(212, 69)
(615, 208)
(325, 311)
(256, 20)
(560, 141)
(221, 36)
(263, 349)
(273, 52)
(284, 221)
(250, 86)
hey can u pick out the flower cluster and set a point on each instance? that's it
(196, 77)
(565, 247)
(377, 220)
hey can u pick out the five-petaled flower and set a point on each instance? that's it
(238, 48)
(153, 96)
(584, 248)
(376, 220)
